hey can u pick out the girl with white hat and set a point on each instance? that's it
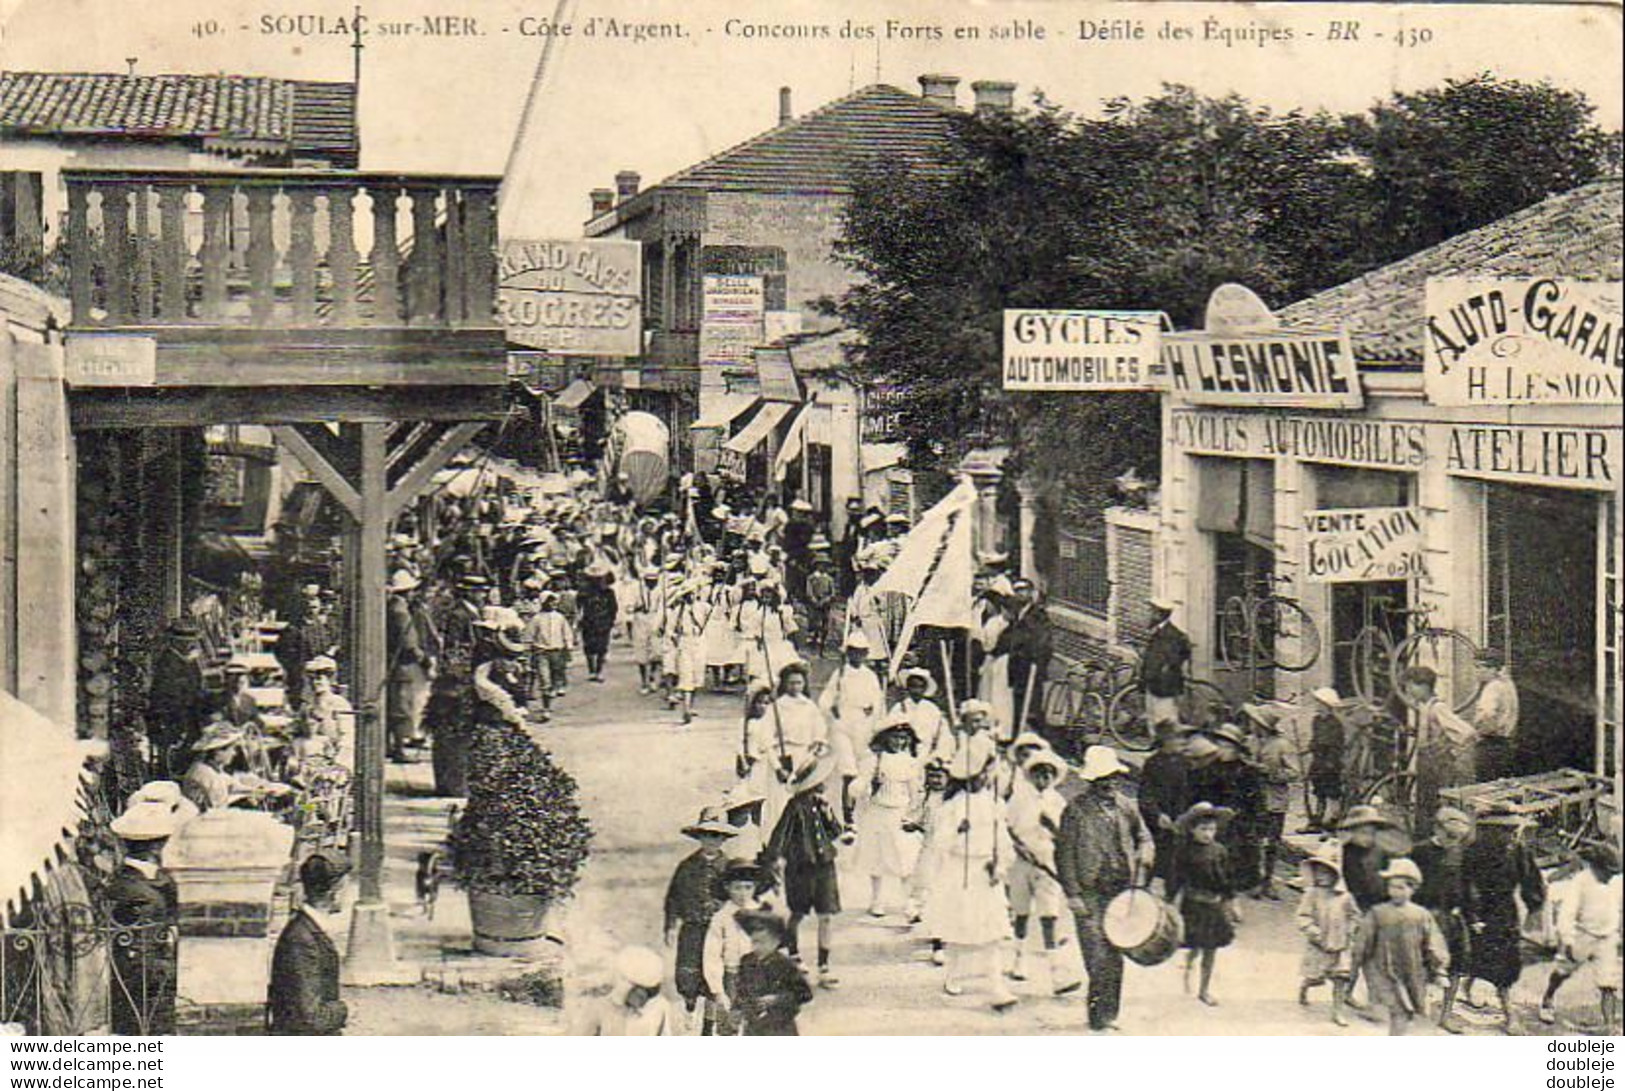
(853, 700)
(891, 795)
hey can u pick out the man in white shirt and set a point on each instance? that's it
(1495, 715)
(1588, 932)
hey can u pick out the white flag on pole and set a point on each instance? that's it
(935, 567)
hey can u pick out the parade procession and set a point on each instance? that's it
(1074, 560)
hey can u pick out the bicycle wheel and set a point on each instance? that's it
(1126, 720)
(1450, 654)
(1058, 701)
(1236, 634)
(1092, 710)
(1288, 635)
(1371, 658)
(1394, 791)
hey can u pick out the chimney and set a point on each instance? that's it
(602, 201)
(994, 96)
(785, 113)
(626, 185)
(939, 89)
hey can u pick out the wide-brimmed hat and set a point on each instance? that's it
(1327, 696)
(856, 640)
(1029, 738)
(813, 773)
(894, 726)
(1099, 762)
(818, 543)
(146, 820)
(218, 736)
(897, 518)
(507, 639)
(795, 666)
(739, 797)
(1402, 868)
(743, 871)
(1200, 746)
(322, 664)
(597, 570)
(1228, 733)
(1205, 812)
(472, 580)
(713, 822)
(236, 666)
(1161, 602)
(641, 966)
(975, 707)
(323, 868)
(1265, 717)
(919, 672)
(401, 581)
(1364, 814)
(1045, 759)
(800, 504)
(166, 793)
(1329, 856)
(1001, 586)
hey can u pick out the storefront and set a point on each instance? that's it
(1407, 503)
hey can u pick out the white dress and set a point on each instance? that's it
(853, 700)
(688, 644)
(892, 787)
(766, 636)
(803, 724)
(993, 681)
(967, 905)
(722, 644)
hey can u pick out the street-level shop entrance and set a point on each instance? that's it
(1540, 610)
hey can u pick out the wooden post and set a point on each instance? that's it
(371, 955)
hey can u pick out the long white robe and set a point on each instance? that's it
(853, 700)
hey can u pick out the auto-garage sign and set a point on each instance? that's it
(1350, 545)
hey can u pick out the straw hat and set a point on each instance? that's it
(739, 797)
(641, 967)
(1001, 586)
(1267, 718)
(975, 707)
(1204, 812)
(857, 641)
(762, 920)
(895, 725)
(322, 664)
(1228, 733)
(1329, 856)
(712, 822)
(1364, 814)
(919, 672)
(1100, 762)
(1327, 696)
(1029, 738)
(799, 504)
(147, 820)
(1402, 868)
(1161, 602)
(166, 793)
(813, 773)
(743, 871)
(218, 736)
(1044, 759)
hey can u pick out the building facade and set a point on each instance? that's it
(1512, 509)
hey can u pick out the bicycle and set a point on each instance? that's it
(1130, 727)
(1077, 703)
(1254, 630)
(1377, 663)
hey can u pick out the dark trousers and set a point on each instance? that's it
(1102, 962)
(1492, 758)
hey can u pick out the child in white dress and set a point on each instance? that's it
(891, 794)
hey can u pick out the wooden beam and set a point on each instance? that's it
(193, 406)
(322, 470)
(433, 460)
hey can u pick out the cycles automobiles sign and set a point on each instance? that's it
(574, 297)
(1081, 350)
(1347, 545)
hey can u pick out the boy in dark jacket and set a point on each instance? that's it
(693, 897)
(805, 841)
(769, 989)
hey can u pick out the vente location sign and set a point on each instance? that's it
(1047, 350)
(1523, 341)
(1348, 545)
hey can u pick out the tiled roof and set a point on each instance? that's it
(818, 151)
(296, 114)
(1577, 234)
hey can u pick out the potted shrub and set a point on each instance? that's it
(520, 843)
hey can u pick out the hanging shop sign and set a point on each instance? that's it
(1565, 456)
(577, 297)
(1244, 357)
(733, 319)
(1523, 341)
(1342, 441)
(1348, 545)
(1081, 350)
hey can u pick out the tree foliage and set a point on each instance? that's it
(1150, 206)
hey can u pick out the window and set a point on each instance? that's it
(1080, 578)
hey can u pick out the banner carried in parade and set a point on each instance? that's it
(575, 297)
(1522, 341)
(1081, 350)
(934, 568)
(1350, 545)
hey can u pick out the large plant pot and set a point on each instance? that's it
(509, 925)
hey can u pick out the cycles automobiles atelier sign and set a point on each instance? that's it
(575, 297)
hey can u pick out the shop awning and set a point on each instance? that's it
(759, 428)
(795, 442)
(722, 410)
(575, 395)
(39, 792)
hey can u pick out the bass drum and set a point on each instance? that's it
(645, 455)
(1143, 926)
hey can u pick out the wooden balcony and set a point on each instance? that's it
(275, 278)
